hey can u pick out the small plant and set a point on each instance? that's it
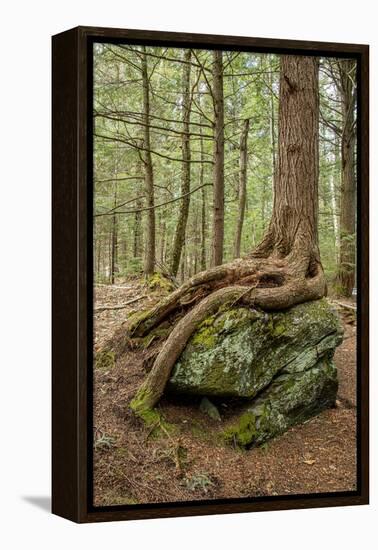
(174, 453)
(199, 482)
(104, 359)
(104, 441)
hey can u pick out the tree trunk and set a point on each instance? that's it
(162, 236)
(185, 177)
(113, 265)
(346, 275)
(149, 260)
(98, 262)
(272, 132)
(333, 184)
(203, 228)
(218, 154)
(242, 186)
(285, 269)
(203, 202)
(293, 229)
(114, 250)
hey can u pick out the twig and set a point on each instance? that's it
(346, 306)
(109, 308)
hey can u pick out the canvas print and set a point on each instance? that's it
(224, 268)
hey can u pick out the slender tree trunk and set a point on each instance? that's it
(113, 265)
(149, 260)
(203, 229)
(137, 243)
(203, 200)
(218, 174)
(333, 184)
(114, 238)
(346, 275)
(242, 192)
(185, 178)
(98, 268)
(163, 226)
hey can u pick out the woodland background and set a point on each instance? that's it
(159, 184)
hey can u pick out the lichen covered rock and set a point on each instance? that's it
(279, 363)
(290, 399)
(236, 353)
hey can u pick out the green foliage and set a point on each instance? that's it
(251, 87)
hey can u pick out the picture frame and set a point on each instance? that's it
(72, 260)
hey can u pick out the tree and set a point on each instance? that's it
(285, 268)
(347, 86)
(114, 253)
(149, 260)
(218, 184)
(242, 191)
(185, 178)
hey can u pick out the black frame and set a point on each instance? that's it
(72, 300)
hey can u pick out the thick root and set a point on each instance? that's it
(293, 291)
(202, 284)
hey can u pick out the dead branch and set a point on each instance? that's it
(123, 306)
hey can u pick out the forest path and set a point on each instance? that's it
(132, 466)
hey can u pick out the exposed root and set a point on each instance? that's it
(241, 271)
(294, 291)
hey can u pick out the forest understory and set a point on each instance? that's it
(132, 464)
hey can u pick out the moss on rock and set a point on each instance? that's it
(237, 353)
(290, 399)
(157, 281)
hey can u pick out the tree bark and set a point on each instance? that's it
(218, 153)
(272, 131)
(137, 245)
(293, 229)
(185, 177)
(333, 184)
(149, 260)
(114, 259)
(203, 201)
(203, 229)
(242, 191)
(346, 274)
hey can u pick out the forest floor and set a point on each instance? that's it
(133, 466)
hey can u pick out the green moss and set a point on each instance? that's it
(151, 417)
(104, 359)
(136, 319)
(279, 329)
(204, 337)
(156, 334)
(140, 403)
(243, 431)
(157, 281)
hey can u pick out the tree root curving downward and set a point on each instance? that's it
(287, 290)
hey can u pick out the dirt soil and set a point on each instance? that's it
(132, 465)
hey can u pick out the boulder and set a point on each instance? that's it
(290, 399)
(280, 365)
